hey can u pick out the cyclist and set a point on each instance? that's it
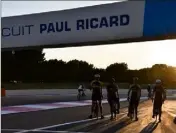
(113, 97)
(80, 90)
(149, 89)
(96, 86)
(159, 97)
(134, 99)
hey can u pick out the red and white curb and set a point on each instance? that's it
(47, 106)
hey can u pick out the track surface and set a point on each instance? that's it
(22, 97)
(74, 119)
(122, 124)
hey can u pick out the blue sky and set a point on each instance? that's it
(137, 55)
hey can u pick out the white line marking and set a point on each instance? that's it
(15, 130)
(172, 114)
(58, 131)
(74, 122)
(24, 130)
(64, 124)
(3, 112)
(47, 107)
(70, 123)
(39, 106)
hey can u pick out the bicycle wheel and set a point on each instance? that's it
(114, 107)
(132, 113)
(95, 109)
(117, 108)
(156, 114)
(78, 97)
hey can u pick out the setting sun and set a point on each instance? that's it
(163, 52)
(136, 55)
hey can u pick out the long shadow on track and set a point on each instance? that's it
(150, 127)
(123, 123)
(174, 120)
(94, 126)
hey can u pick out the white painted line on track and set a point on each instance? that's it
(3, 112)
(38, 106)
(24, 130)
(172, 114)
(74, 122)
(14, 130)
(58, 131)
(74, 103)
(65, 124)
(69, 123)
(46, 106)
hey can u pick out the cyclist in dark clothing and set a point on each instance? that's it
(159, 96)
(96, 87)
(149, 89)
(113, 97)
(134, 99)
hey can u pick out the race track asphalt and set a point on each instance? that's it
(26, 122)
(35, 120)
(22, 97)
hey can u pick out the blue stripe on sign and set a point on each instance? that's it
(159, 17)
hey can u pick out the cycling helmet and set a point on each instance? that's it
(97, 75)
(113, 79)
(158, 81)
(135, 78)
(13, 52)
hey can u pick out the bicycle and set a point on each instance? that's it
(156, 113)
(113, 109)
(117, 106)
(131, 110)
(132, 113)
(149, 96)
(95, 109)
(157, 110)
(80, 95)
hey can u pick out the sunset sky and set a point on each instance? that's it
(136, 55)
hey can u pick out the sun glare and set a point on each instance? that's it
(136, 55)
(163, 52)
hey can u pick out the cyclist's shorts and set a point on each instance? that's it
(112, 98)
(134, 102)
(96, 97)
(80, 90)
(117, 100)
(157, 103)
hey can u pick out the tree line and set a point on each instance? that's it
(30, 66)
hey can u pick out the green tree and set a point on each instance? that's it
(118, 71)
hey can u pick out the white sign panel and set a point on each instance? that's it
(97, 23)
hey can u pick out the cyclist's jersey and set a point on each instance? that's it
(159, 93)
(149, 89)
(80, 87)
(135, 91)
(111, 90)
(96, 87)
